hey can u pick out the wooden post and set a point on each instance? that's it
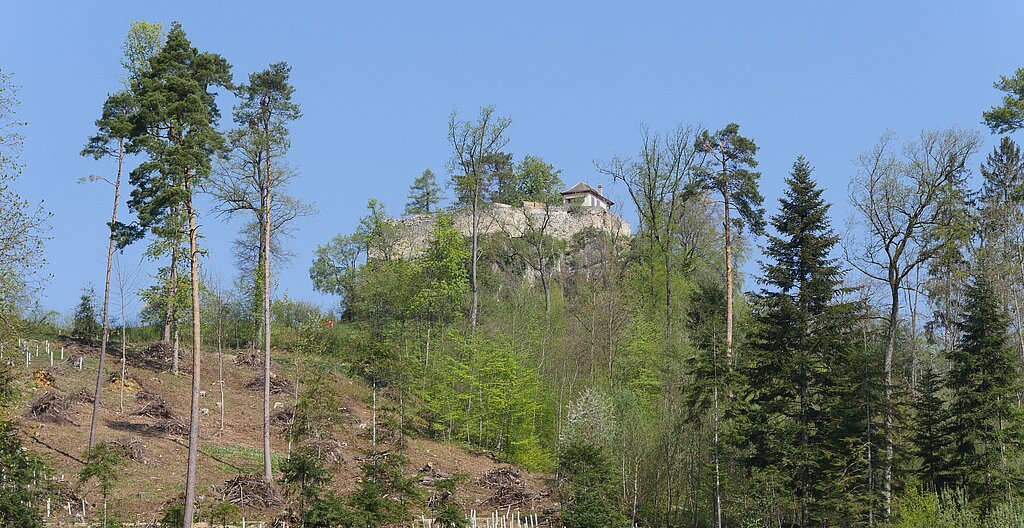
(62, 352)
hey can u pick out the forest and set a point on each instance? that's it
(869, 373)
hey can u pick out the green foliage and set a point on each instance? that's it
(532, 180)
(445, 280)
(424, 194)
(591, 488)
(103, 463)
(730, 174)
(223, 511)
(477, 157)
(485, 393)
(1009, 116)
(176, 127)
(385, 495)
(931, 432)
(20, 469)
(983, 411)
(85, 325)
(24, 226)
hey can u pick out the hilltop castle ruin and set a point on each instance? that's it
(582, 207)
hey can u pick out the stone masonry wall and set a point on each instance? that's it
(563, 223)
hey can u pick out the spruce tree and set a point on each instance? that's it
(799, 329)
(930, 434)
(983, 385)
(424, 194)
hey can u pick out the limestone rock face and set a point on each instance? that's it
(562, 222)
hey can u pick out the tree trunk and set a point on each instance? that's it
(890, 348)
(474, 310)
(728, 290)
(193, 423)
(268, 474)
(106, 301)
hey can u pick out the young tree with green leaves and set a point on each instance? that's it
(475, 146)
(656, 181)
(22, 233)
(424, 194)
(176, 128)
(114, 130)
(103, 463)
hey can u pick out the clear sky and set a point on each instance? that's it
(377, 80)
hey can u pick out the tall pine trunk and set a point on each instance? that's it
(193, 423)
(268, 474)
(106, 300)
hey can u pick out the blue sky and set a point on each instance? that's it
(377, 80)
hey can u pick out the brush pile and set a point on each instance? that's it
(248, 491)
(510, 488)
(283, 417)
(51, 407)
(327, 450)
(278, 384)
(251, 359)
(157, 408)
(80, 396)
(133, 447)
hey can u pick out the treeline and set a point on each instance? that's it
(852, 377)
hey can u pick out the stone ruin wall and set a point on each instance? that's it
(564, 222)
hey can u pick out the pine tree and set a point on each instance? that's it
(930, 435)
(424, 194)
(799, 330)
(176, 127)
(983, 412)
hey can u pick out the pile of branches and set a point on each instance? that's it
(170, 427)
(248, 491)
(429, 475)
(144, 396)
(154, 357)
(64, 492)
(251, 359)
(328, 451)
(80, 396)
(134, 448)
(278, 384)
(50, 407)
(509, 486)
(283, 417)
(157, 408)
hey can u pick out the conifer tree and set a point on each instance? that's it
(424, 194)
(176, 127)
(982, 408)
(930, 435)
(730, 174)
(799, 330)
